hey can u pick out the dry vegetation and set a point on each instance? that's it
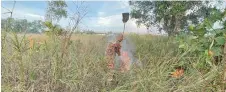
(40, 68)
(84, 68)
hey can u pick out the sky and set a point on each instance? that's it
(102, 16)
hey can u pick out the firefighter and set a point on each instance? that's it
(112, 50)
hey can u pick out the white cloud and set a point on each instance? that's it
(108, 21)
(124, 4)
(132, 27)
(114, 23)
(21, 13)
(35, 16)
(104, 21)
(101, 13)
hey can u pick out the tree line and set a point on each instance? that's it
(22, 25)
(172, 17)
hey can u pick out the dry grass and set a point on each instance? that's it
(84, 68)
(41, 69)
(82, 37)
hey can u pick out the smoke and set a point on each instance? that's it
(127, 51)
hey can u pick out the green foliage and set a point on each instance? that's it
(171, 15)
(53, 29)
(159, 56)
(208, 42)
(36, 26)
(22, 25)
(56, 10)
(220, 40)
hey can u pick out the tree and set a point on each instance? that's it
(16, 25)
(88, 32)
(167, 15)
(22, 25)
(36, 26)
(56, 10)
(53, 29)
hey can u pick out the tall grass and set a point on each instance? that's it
(160, 56)
(40, 68)
(83, 69)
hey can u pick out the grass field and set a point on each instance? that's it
(41, 68)
(83, 69)
(160, 55)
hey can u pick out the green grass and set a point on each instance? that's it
(160, 55)
(83, 68)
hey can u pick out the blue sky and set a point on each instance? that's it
(103, 16)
